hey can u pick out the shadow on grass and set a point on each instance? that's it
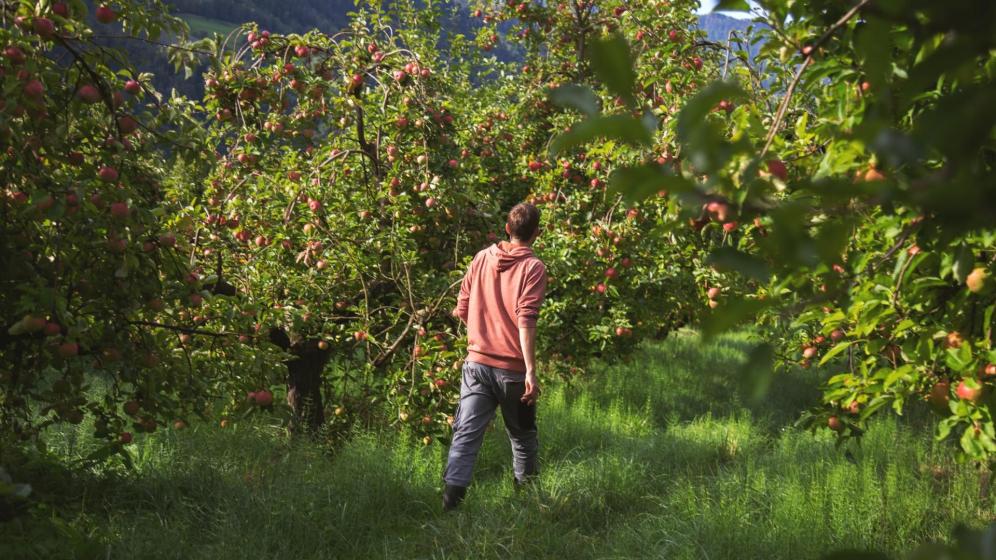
(681, 379)
(660, 457)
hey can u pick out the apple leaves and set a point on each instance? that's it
(611, 60)
(731, 6)
(577, 97)
(639, 182)
(623, 128)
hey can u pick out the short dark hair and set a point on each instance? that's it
(523, 220)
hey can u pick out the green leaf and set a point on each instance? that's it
(576, 97)
(732, 6)
(623, 128)
(959, 359)
(874, 47)
(757, 372)
(702, 104)
(840, 347)
(731, 314)
(944, 428)
(963, 264)
(639, 182)
(613, 65)
(725, 259)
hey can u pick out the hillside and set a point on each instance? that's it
(207, 17)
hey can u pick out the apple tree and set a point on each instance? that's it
(94, 282)
(866, 186)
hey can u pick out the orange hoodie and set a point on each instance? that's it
(502, 291)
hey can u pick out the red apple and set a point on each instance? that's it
(34, 88)
(264, 398)
(954, 340)
(600, 288)
(125, 438)
(68, 349)
(976, 280)
(108, 174)
(105, 14)
(120, 210)
(809, 352)
(834, 424)
(777, 169)
(116, 245)
(967, 393)
(43, 27)
(133, 87)
(713, 292)
(611, 272)
(14, 54)
(873, 175)
(88, 94)
(127, 124)
(940, 394)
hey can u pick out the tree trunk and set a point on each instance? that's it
(304, 380)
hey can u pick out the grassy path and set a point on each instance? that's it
(659, 459)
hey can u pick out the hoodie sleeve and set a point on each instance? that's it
(463, 300)
(531, 296)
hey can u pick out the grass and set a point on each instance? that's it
(203, 26)
(655, 458)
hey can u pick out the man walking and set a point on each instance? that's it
(500, 298)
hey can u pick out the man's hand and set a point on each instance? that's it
(527, 339)
(532, 389)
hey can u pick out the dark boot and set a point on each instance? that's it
(520, 484)
(452, 496)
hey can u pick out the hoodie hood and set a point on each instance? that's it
(503, 255)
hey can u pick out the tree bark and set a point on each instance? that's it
(304, 380)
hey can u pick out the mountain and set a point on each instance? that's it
(206, 17)
(718, 28)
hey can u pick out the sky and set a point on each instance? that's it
(708, 4)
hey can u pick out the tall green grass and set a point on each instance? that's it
(658, 457)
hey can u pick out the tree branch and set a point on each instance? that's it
(783, 106)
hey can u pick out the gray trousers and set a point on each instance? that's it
(482, 390)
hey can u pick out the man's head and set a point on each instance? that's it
(523, 223)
